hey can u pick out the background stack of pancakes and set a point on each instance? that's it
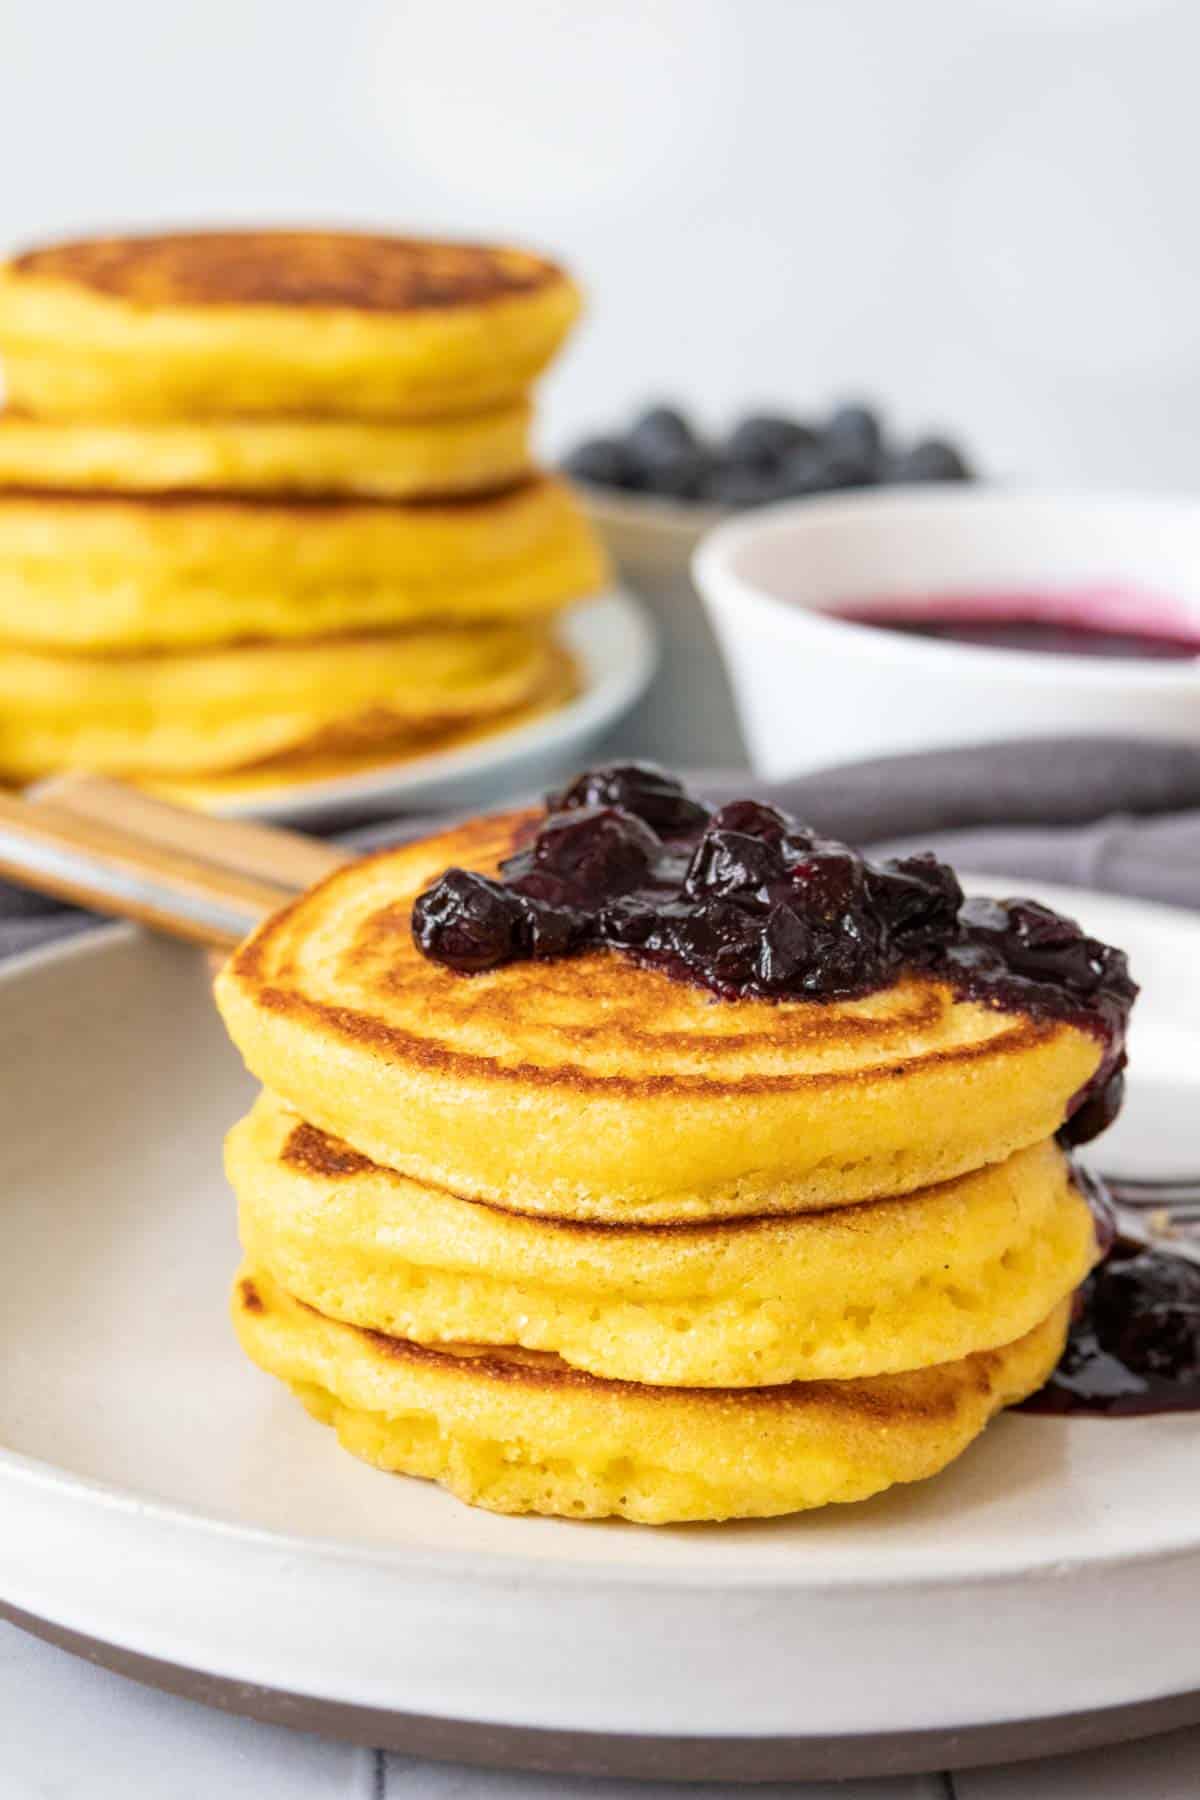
(267, 507)
(571, 1236)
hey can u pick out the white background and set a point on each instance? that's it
(983, 211)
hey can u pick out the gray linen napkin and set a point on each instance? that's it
(1118, 814)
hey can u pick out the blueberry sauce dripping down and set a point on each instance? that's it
(750, 904)
(1134, 1342)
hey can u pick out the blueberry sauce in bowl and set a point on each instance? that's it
(1105, 623)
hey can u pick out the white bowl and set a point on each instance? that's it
(813, 689)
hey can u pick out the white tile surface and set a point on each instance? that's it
(69, 1730)
(1165, 1768)
(407, 1779)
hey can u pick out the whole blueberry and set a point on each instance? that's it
(629, 924)
(828, 880)
(595, 851)
(720, 942)
(467, 922)
(854, 432)
(732, 863)
(786, 949)
(661, 434)
(1146, 1311)
(1045, 946)
(846, 960)
(917, 899)
(933, 459)
(753, 818)
(605, 462)
(765, 439)
(805, 472)
(639, 788)
(551, 930)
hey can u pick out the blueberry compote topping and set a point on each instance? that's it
(1134, 1345)
(750, 904)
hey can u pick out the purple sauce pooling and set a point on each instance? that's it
(1099, 622)
(750, 904)
(1134, 1343)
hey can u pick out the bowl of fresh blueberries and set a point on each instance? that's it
(766, 457)
(654, 489)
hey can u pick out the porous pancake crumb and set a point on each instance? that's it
(518, 1433)
(850, 1292)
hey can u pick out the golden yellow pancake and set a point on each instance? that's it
(89, 571)
(861, 1290)
(219, 323)
(385, 459)
(224, 709)
(591, 1088)
(516, 1431)
(301, 768)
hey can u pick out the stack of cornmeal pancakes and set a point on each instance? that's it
(267, 508)
(571, 1233)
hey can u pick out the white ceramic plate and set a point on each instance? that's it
(614, 645)
(162, 1500)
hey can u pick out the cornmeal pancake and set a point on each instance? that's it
(101, 571)
(862, 1290)
(519, 1432)
(208, 324)
(300, 768)
(588, 1087)
(224, 709)
(381, 459)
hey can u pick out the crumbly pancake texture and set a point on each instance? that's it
(208, 324)
(217, 710)
(862, 1290)
(89, 571)
(518, 1432)
(590, 1088)
(377, 459)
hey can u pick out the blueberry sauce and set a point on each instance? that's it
(1134, 1344)
(1100, 623)
(750, 904)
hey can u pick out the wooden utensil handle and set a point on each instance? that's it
(282, 858)
(111, 848)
